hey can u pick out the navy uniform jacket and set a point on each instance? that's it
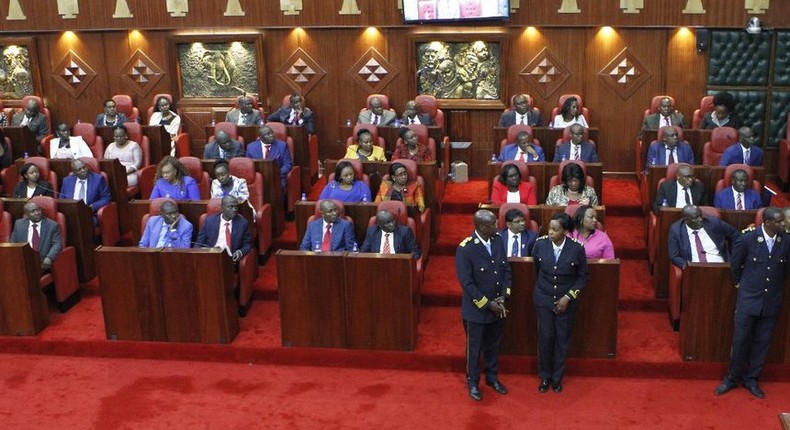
(483, 277)
(565, 277)
(761, 275)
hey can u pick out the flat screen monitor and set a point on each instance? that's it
(429, 11)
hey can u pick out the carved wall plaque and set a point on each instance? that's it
(569, 6)
(756, 6)
(69, 9)
(234, 8)
(177, 8)
(122, 10)
(349, 8)
(15, 12)
(291, 7)
(632, 6)
(694, 7)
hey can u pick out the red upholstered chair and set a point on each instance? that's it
(44, 172)
(374, 131)
(570, 210)
(147, 180)
(248, 264)
(557, 179)
(652, 226)
(255, 104)
(153, 105)
(660, 133)
(512, 134)
(784, 162)
(655, 103)
(125, 105)
(758, 217)
(423, 137)
(228, 127)
(385, 101)
(705, 106)
(427, 104)
(726, 181)
(153, 209)
(721, 138)
(530, 100)
(504, 208)
(135, 132)
(64, 269)
(341, 213)
(293, 188)
(584, 111)
(523, 168)
(398, 210)
(108, 228)
(195, 168)
(359, 173)
(88, 133)
(244, 168)
(5, 224)
(566, 136)
(42, 108)
(424, 218)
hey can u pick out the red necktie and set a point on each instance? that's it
(227, 236)
(386, 249)
(326, 244)
(672, 156)
(34, 240)
(266, 150)
(700, 249)
(522, 158)
(739, 203)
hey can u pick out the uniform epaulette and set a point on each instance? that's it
(465, 241)
(577, 241)
(748, 229)
(546, 236)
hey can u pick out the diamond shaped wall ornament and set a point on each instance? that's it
(15, 12)
(372, 71)
(69, 9)
(177, 8)
(141, 72)
(625, 74)
(301, 72)
(73, 74)
(545, 72)
(632, 6)
(756, 6)
(694, 7)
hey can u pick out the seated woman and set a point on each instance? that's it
(127, 151)
(395, 188)
(596, 242)
(31, 185)
(173, 181)
(509, 188)
(573, 189)
(164, 116)
(569, 115)
(723, 114)
(411, 148)
(345, 188)
(110, 117)
(365, 150)
(5, 151)
(226, 184)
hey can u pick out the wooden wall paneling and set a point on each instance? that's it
(686, 71)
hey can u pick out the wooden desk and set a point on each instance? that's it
(542, 214)
(170, 295)
(160, 141)
(360, 214)
(784, 419)
(23, 306)
(543, 173)
(595, 329)
(695, 137)
(391, 135)
(546, 136)
(22, 140)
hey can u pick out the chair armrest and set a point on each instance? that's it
(64, 274)
(108, 224)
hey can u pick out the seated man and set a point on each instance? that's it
(521, 114)
(222, 148)
(699, 239)
(167, 230)
(389, 237)
(226, 184)
(683, 191)
(295, 114)
(740, 195)
(669, 150)
(226, 230)
(87, 186)
(376, 114)
(522, 150)
(577, 148)
(330, 233)
(64, 145)
(744, 152)
(244, 114)
(110, 117)
(411, 115)
(786, 214)
(33, 119)
(665, 117)
(517, 239)
(267, 147)
(40, 232)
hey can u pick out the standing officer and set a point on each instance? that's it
(561, 274)
(484, 274)
(759, 270)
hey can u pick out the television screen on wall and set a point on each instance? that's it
(428, 11)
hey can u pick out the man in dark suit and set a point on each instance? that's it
(244, 114)
(33, 119)
(389, 237)
(743, 150)
(517, 239)
(227, 230)
(40, 232)
(167, 230)
(577, 148)
(683, 191)
(524, 149)
(267, 147)
(740, 195)
(484, 274)
(669, 150)
(412, 116)
(699, 239)
(223, 147)
(522, 113)
(87, 186)
(759, 271)
(330, 233)
(376, 114)
(666, 116)
(295, 114)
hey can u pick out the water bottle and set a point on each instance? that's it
(354, 248)
(316, 246)
(304, 197)
(652, 161)
(664, 203)
(564, 157)
(26, 155)
(213, 122)
(493, 158)
(348, 122)
(78, 120)
(364, 199)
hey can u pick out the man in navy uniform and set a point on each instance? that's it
(759, 270)
(484, 273)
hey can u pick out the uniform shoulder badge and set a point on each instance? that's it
(465, 241)
(748, 229)
(577, 241)
(545, 236)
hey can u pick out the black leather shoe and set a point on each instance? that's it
(544, 385)
(557, 387)
(723, 388)
(475, 394)
(498, 387)
(756, 391)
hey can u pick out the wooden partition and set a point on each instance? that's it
(22, 141)
(543, 172)
(23, 306)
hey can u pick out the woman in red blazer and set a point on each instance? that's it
(508, 183)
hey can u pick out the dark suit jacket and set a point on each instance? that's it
(342, 235)
(42, 189)
(424, 118)
(49, 244)
(669, 191)
(724, 199)
(97, 194)
(680, 246)
(526, 240)
(510, 150)
(588, 152)
(761, 274)
(387, 117)
(38, 124)
(240, 237)
(734, 155)
(509, 118)
(403, 241)
(656, 121)
(567, 276)
(657, 153)
(707, 121)
(254, 118)
(278, 152)
(120, 118)
(211, 151)
(5, 159)
(180, 238)
(283, 115)
(483, 277)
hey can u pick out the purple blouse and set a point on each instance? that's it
(598, 245)
(359, 192)
(188, 191)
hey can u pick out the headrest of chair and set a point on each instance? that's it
(156, 97)
(341, 210)
(193, 165)
(422, 132)
(253, 100)
(655, 103)
(356, 165)
(729, 170)
(374, 131)
(228, 127)
(86, 130)
(706, 104)
(672, 170)
(722, 138)
(505, 207)
(710, 211)
(564, 97)
(279, 129)
(25, 99)
(155, 204)
(396, 208)
(42, 164)
(411, 168)
(521, 165)
(242, 167)
(566, 133)
(92, 163)
(48, 205)
(562, 165)
(134, 131)
(660, 134)
(530, 101)
(514, 130)
(426, 104)
(385, 100)
(214, 206)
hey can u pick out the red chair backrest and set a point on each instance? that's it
(385, 100)
(705, 106)
(253, 101)
(341, 210)
(656, 102)
(512, 135)
(398, 210)
(726, 181)
(422, 137)
(359, 173)
(155, 98)
(147, 179)
(155, 204)
(134, 131)
(427, 104)
(660, 133)
(228, 127)
(672, 170)
(213, 206)
(92, 164)
(125, 105)
(523, 169)
(721, 138)
(44, 171)
(710, 211)
(374, 131)
(49, 208)
(88, 133)
(505, 207)
(287, 100)
(244, 168)
(512, 105)
(195, 168)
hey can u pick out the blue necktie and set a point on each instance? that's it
(557, 252)
(488, 247)
(514, 251)
(770, 243)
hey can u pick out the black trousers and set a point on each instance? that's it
(750, 344)
(485, 339)
(554, 338)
